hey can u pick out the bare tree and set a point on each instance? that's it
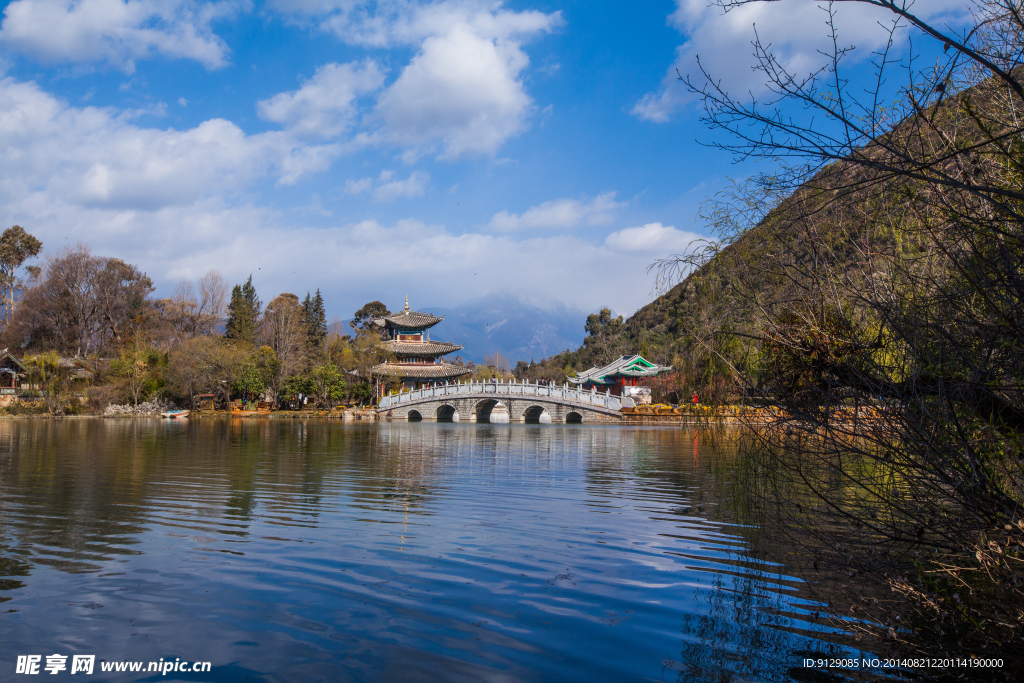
(281, 328)
(878, 309)
(121, 293)
(199, 313)
(184, 309)
(81, 303)
(213, 301)
(497, 361)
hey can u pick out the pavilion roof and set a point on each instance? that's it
(424, 348)
(422, 370)
(6, 355)
(410, 319)
(626, 366)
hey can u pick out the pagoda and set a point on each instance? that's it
(417, 359)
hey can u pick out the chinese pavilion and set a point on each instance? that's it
(417, 359)
(619, 377)
(12, 371)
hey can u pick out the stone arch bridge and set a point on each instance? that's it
(501, 403)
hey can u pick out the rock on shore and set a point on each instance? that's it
(147, 408)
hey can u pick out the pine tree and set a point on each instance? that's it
(363, 318)
(243, 310)
(307, 319)
(16, 247)
(318, 325)
(307, 307)
(314, 317)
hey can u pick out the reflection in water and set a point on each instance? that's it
(298, 550)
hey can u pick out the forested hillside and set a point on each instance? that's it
(709, 323)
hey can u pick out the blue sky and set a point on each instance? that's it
(447, 149)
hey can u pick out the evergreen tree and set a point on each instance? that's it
(320, 320)
(307, 306)
(363, 318)
(314, 317)
(16, 247)
(243, 311)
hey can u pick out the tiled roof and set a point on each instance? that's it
(413, 319)
(627, 366)
(422, 370)
(427, 348)
(5, 354)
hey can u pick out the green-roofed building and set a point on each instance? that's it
(12, 372)
(620, 377)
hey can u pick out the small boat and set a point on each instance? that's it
(175, 413)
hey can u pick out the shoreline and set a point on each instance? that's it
(370, 415)
(354, 415)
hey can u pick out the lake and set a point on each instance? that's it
(310, 550)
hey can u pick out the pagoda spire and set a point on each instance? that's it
(407, 302)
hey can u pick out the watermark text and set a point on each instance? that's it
(86, 664)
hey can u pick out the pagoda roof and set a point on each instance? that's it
(422, 370)
(410, 319)
(424, 348)
(626, 366)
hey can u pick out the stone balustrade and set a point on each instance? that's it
(465, 397)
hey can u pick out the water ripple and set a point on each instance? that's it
(298, 550)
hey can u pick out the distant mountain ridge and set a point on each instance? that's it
(506, 325)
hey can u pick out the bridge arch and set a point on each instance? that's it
(491, 411)
(482, 410)
(447, 413)
(573, 417)
(536, 415)
(415, 416)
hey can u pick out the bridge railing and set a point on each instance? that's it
(513, 388)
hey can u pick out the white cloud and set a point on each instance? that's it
(560, 214)
(345, 260)
(325, 106)
(795, 29)
(653, 239)
(175, 203)
(359, 186)
(385, 189)
(357, 22)
(462, 93)
(431, 262)
(99, 157)
(116, 31)
(386, 23)
(462, 90)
